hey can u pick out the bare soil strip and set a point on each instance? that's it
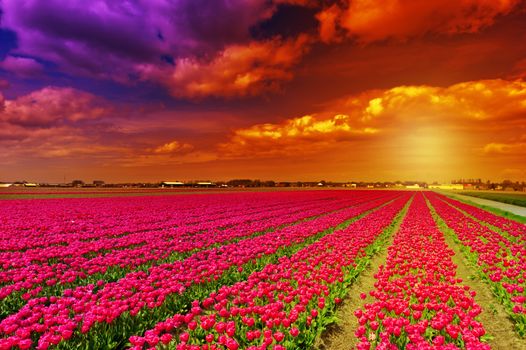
(340, 335)
(498, 325)
(493, 316)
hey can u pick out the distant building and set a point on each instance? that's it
(447, 186)
(98, 183)
(205, 184)
(4, 185)
(172, 184)
(413, 187)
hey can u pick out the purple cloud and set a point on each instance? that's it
(107, 39)
(22, 66)
(52, 106)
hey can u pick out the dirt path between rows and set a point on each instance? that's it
(340, 335)
(493, 317)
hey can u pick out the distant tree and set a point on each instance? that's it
(240, 183)
(77, 183)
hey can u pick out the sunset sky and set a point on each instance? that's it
(374, 90)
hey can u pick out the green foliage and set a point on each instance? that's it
(116, 334)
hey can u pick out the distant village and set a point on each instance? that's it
(461, 184)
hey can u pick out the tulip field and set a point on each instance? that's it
(253, 270)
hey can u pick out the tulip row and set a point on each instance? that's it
(246, 223)
(153, 293)
(156, 247)
(514, 230)
(76, 246)
(46, 280)
(500, 261)
(419, 303)
(285, 305)
(85, 220)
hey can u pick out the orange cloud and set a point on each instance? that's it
(19, 142)
(308, 3)
(133, 160)
(64, 125)
(372, 114)
(468, 101)
(52, 105)
(306, 134)
(238, 70)
(328, 19)
(372, 20)
(49, 123)
(173, 147)
(514, 148)
(519, 70)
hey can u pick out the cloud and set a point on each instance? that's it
(173, 147)
(54, 122)
(514, 148)
(22, 66)
(67, 126)
(306, 134)
(51, 106)
(308, 3)
(4, 84)
(519, 70)
(328, 19)
(200, 48)
(473, 101)
(136, 159)
(459, 108)
(238, 70)
(372, 20)
(107, 39)
(20, 144)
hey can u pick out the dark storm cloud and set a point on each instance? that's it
(107, 38)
